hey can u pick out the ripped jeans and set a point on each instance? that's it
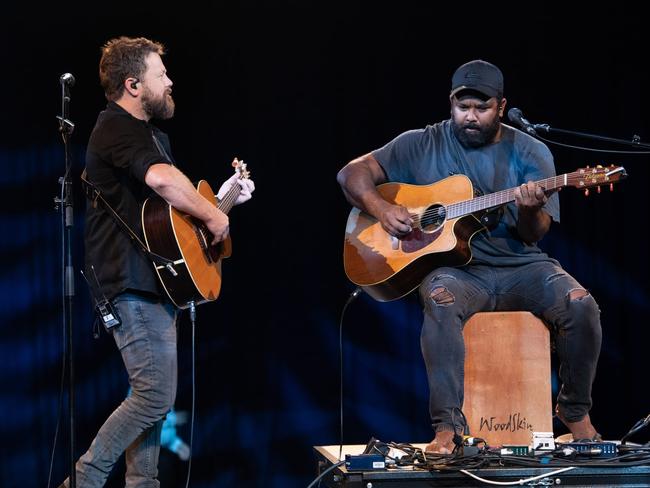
(450, 296)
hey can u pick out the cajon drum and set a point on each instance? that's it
(507, 377)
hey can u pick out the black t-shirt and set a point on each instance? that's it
(428, 155)
(120, 151)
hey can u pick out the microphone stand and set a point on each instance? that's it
(66, 127)
(636, 140)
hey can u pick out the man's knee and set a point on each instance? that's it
(582, 306)
(579, 298)
(571, 301)
(156, 402)
(438, 290)
(442, 296)
(577, 294)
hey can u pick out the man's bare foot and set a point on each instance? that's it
(442, 444)
(580, 430)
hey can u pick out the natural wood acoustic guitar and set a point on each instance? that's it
(194, 271)
(445, 216)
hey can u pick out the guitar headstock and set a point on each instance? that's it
(596, 176)
(240, 167)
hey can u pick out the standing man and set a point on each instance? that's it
(507, 271)
(128, 159)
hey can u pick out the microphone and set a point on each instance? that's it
(65, 126)
(67, 79)
(517, 117)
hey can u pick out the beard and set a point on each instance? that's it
(479, 138)
(158, 107)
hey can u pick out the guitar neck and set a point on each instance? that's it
(466, 207)
(228, 201)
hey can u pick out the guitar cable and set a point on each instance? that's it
(350, 299)
(322, 475)
(59, 409)
(357, 291)
(193, 321)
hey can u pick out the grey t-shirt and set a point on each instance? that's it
(424, 156)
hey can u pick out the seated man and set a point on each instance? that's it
(507, 271)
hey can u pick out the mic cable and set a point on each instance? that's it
(350, 299)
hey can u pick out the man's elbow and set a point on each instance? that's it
(347, 172)
(342, 176)
(158, 176)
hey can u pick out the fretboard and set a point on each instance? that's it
(228, 200)
(502, 197)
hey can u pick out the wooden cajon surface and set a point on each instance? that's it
(507, 377)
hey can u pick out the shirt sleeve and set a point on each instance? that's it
(401, 156)
(131, 146)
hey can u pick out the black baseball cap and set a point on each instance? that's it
(479, 76)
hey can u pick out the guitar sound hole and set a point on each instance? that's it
(204, 237)
(212, 252)
(433, 218)
(201, 236)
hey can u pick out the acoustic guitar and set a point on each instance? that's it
(193, 272)
(445, 218)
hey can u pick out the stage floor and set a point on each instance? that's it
(580, 476)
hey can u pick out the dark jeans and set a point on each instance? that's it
(147, 341)
(542, 288)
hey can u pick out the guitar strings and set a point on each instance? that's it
(457, 210)
(226, 204)
(230, 197)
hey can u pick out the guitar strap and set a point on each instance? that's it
(160, 147)
(95, 197)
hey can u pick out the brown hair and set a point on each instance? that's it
(122, 58)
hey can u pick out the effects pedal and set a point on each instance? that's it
(365, 462)
(593, 449)
(514, 450)
(543, 441)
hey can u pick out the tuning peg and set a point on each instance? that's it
(586, 192)
(599, 166)
(598, 189)
(611, 187)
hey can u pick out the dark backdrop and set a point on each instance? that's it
(297, 91)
